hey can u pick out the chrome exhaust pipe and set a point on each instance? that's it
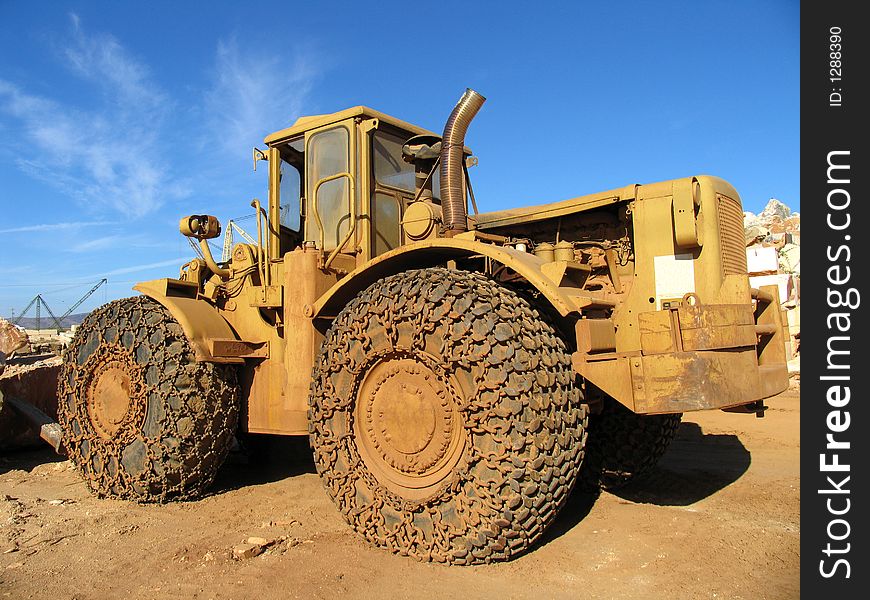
(452, 172)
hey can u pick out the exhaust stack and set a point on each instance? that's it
(452, 172)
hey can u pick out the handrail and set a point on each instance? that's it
(263, 258)
(351, 210)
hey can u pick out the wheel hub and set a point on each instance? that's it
(407, 420)
(112, 394)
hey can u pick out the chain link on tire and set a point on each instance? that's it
(623, 445)
(500, 421)
(142, 420)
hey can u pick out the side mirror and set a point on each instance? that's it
(258, 156)
(201, 227)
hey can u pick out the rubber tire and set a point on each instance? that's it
(506, 489)
(623, 445)
(187, 410)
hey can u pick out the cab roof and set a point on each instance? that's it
(303, 124)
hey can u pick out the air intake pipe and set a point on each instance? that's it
(452, 155)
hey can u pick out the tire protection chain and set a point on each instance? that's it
(623, 445)
(524, 420)
(185, 412)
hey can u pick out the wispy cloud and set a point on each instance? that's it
(101, 243)
(55, 226)
(102, 59)
(256, 93)
(7, 271)
(145, 267)
(117, 240)
(82, 151)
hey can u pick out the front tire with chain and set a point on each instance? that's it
(623, 445)
(444, 417)
(142, 419)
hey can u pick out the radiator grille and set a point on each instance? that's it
(731, 235)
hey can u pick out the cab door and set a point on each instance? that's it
(331, 189)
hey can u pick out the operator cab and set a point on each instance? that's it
(339, 183)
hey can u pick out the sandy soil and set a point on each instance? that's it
(719, 518)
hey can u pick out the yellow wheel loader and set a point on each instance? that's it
(450, 368)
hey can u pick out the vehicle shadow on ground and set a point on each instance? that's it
(696, 466)
(578, 505)
(27, 459)
(264, 459)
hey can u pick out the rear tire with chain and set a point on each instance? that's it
(143, 420)
(623, 445)
(444, 417)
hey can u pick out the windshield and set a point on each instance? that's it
(389, 167)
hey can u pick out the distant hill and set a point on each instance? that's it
(46, 322)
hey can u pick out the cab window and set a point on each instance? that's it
(390, 169)
(290, 192)
(328, 156)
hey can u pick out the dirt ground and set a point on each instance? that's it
(718, 518)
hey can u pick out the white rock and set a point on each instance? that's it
(243, 551)
(775, 210)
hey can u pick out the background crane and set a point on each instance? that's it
(39, 301)
(228, 237)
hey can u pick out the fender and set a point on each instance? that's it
(566, 300)
(200, 321)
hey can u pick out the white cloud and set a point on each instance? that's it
(55, 226)
(117, 240)
(256, 93)
(100, 243)
(145, 267)
(87, 153)
(108, 150)
(103, 60)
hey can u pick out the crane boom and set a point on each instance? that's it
(56, 320)
(83, 298)
(24, 312)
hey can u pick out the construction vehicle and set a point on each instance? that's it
(450, 368)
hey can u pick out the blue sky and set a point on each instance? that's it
(118, 118)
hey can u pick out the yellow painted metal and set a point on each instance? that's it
(274, 201)
(716, 327)
(350, 126)
(309, 124)
(541, 212)
(688, 232)
(364, 237)
(210, 261)
(657, 332)
(652, 219)
(693, 357)
(199, 320)
(683, 381)
(769, 314)
(239, 349)
(281, 404)
(419, 220)
(566, 300)
(261, 254)
(660, 301)
(566, 273)
(595, 335)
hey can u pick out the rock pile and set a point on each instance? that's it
(33, 381)
(773, 257)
